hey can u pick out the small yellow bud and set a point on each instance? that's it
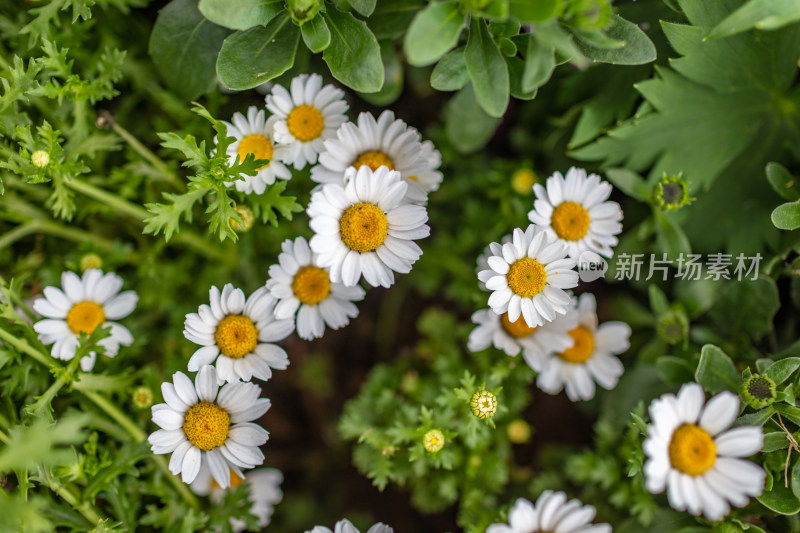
(40, 158)
(143, 397)
(484, 404)
(247, 218)
(522, 181)
(90, 261)
(519, 431)
(433, 441)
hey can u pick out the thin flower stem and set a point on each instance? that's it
(86, 508)
(23, 346)
(45, 226)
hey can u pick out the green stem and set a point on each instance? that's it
(23, 346)
(45, 226)
(21, 231)
(146, 153)
(86, 509)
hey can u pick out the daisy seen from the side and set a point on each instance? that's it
(694, 454)
(81, 305)
(305, 117)
(591, 357)
(238, 333)
(254, 136)
(303, 288)
(202, 424)
(551, 513)
(366, 228)
(528, 276)
(576, 210)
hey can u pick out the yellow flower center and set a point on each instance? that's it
(363, 227)
(583, 348)
(206, 425)
(84, 317)
(258, 145)
(235, 481)
(305, 123)
(311, 285)
(692, 450)
(570, 221)
(374, 160)
(483, 404)
(522, 181)
(518, 329)
(526, 277)
(236, 336)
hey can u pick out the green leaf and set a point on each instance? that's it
(637, 50)
(364, 7)
(184, 47)
(782, 181)
(551, 35)
(760, 14)
(487, 70)
(433, 33)
(631, 183)
(240, 14)
(540, 62)
(716, 371)
(795, 480)
(759, 418)
(533, 11)
(675, 369)
(773, 441)
(658, 300)
(354, 55)
(450, 73)
(516, 68)
(316, 34)
(251, 57)
(787, 216)
(391, 19)
(746, 308)
(468, 126)
(393, 77)
(670, 238)
(779, 371)
(166, 217)
(780, 499)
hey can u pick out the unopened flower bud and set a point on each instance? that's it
(433, 440)
(484, 404)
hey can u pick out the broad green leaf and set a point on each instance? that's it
(391, 19)
(249, 58)
(450, 73)
(628, 182)
(787, 216)
(551, 35)
(658, 300)
(184, 47)
(316, 34)
(760, 14)
(675, 369)
(393, 77)
(759, 418)
(780, 499)
(540, 62)
(516, 68)
(779, 371)
(795, 480)
(487, 70)
(716, 371)
(507, 28)
(433, 33)
(670, 238)
(746, 307)
(240, 14)
(775, 440)
(354, 55)
(534, 11)
(788, 411)
(363, 7)
(468, 126)
(782, 181)
(637, 49)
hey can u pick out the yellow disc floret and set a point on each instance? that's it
(258, 145)
(518, 329)
(570, 221)
(692, 450)
(526, 277)
(311, 285)
(374, 159)
(484, 404)
(305, 123)
(206, 425)
(236, 336)
(84, 317)
(583, 348)
(363, 227)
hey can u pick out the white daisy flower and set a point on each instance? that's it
(298, 282)
(255, 136)
(551, 513)
(366, 227)
(237, 334)
(527, 276)
(263, 490)
(84, 304)
(345, 526)
(589, 359)
(200, 427)
(482, 263)
(574, 209)
(386, 142)
(514, 337)
(692, 453)
(303, 119)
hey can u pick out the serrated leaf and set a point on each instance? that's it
(240, 14)
(450, 73)
(249, 58)
(786, 216)
(782, 181)
(354, 55)
(760, 14)
(316, 34)
(716, 371)
(468, 126)
(433, 32)
(637, 49)
(487, 70)
(166, 217)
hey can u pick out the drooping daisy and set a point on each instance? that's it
(254, 136)
(692, 453)
(386, 142)
(298, 282)
(551, 513)
(345, 526)
(366, 227)
(237, 334)
(513, 337)
(527, 276)
(84, 304)
(263, 488)
(589, 359)
(200, 427)
(574, 209)
(306, 117)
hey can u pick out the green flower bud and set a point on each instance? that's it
(40, 158)
(519, 431)
(143, 397)
(303, 10)
(673, 326)
(484, 404)
(433, 440)
(90, 261)
(758, 391)
(671, 193)
(247, 217)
